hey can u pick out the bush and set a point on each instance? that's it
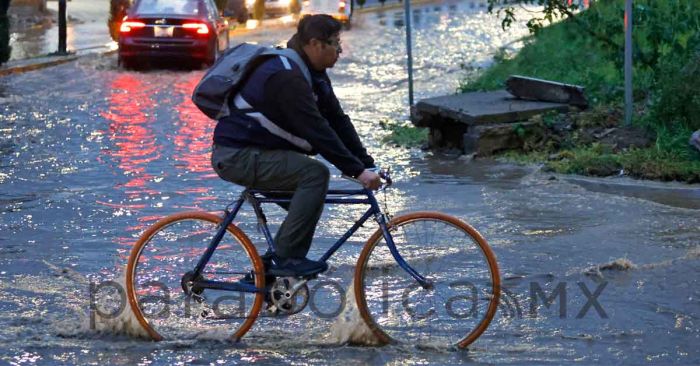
(675, 112)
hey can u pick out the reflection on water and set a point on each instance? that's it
(193, 137)
(134, 142)
(149, 142)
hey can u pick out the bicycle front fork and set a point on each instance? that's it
(422, 281)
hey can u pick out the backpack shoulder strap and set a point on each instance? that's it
(294, 56)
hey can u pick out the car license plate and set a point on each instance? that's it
(163, 31)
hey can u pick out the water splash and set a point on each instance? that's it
(693, 253)
(618, 265)
(123, 323)
(349, 327)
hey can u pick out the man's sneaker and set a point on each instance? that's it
(249, 278)
(297, 267)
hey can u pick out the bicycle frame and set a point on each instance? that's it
(258, 197)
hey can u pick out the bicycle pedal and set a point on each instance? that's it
(198, 298)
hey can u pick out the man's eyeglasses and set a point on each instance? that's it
(335, 43)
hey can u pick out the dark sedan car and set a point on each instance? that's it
(182, 29)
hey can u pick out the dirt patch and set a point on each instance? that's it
(596, 143)
(582, 128)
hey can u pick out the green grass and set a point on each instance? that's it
(560, 53)
(597, 160)
(588, 51)
(404, 135)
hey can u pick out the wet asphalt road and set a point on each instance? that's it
(90, 155)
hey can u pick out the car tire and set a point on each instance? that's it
(214, 55)
(127, 63)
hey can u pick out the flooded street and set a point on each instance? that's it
(86, 31)
(91, 155)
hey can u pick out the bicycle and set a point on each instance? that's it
(402, 278)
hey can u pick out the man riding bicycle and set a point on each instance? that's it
(277, 120)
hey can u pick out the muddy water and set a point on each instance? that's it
(91, 155)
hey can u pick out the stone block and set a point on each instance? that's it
(545, 90)
(485, 140)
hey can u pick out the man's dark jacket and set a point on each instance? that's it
(277, 109)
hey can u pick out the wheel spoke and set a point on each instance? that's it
(448, 253)
(160, 279)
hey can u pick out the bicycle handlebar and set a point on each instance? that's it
(383, 174)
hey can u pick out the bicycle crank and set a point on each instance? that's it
(288, 295)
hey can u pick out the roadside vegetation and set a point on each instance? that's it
(586, 48)
(403, 134)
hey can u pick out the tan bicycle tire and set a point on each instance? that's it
(207, 217)
(377, 237)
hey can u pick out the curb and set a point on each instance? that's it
(36, 66)
(673, 194)
(38, 63)
(374, 9)
(241, 31)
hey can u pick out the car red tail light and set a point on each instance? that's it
(200, 27)
(128, 25)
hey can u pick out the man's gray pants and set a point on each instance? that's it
(282, 170)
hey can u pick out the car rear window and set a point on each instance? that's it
(180, 7)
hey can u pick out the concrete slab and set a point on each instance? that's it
(480, 108)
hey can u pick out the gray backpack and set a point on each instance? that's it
(228, 75)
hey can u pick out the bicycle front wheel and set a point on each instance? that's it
(453, 257)
(159, 277)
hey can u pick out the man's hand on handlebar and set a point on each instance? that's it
(370, 179)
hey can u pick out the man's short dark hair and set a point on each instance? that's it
(319, 26)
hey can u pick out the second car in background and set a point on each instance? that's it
(338, 9)
(273, 8)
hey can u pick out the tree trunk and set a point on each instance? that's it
(117, 11)
(4, 5)
(259, 9)
(5, 48)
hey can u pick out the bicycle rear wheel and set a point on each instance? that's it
(449, 253)
(157, 274)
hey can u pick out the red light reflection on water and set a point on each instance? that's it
(134, 145)
(193, 138)
(134, 142)
(192, 141)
